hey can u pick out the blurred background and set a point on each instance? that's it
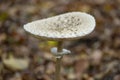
(94, 57)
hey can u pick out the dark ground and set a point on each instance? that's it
(94, 57)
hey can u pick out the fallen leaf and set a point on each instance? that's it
(17, 76)
(15, 63)
(117, 77)
(96, 57)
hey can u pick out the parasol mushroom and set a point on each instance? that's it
(68, 26)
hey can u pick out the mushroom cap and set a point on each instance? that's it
(68, 26)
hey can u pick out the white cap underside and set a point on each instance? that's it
(66, 26)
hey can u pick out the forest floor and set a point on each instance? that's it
(94, 57)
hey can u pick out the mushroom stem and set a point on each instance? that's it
(58, 61)
(60, 45)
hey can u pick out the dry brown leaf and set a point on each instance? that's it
(17, 76)
(117, 77)
(96, 57)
